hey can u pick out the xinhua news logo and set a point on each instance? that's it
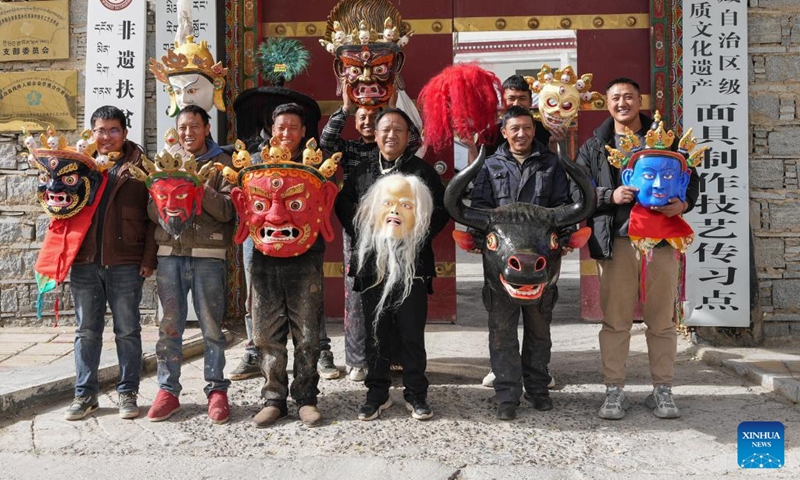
(761, 445)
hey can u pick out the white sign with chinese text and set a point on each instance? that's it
(715, 104)
(204, 26)
(115, 60)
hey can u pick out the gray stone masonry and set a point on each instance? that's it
(774, 44)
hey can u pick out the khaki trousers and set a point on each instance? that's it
(619, 291)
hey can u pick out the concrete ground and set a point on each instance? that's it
(462, 441)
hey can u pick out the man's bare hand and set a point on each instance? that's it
(674, 207)
(145, 272)
(347, 105)
(624, 195)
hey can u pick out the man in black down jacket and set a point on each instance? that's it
(392, 134)
(619, 262)
(521, 170)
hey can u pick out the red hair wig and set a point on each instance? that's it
(462, 100)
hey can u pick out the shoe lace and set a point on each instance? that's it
(663, 396)
(614, 397)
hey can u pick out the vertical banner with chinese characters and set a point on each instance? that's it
(715, 104)
(115, 60)
(204, 27)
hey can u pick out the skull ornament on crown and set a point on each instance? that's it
(561, 94)
(659, 174)
(175, 184)
(283, 205)
(367, 63)
(68, 176)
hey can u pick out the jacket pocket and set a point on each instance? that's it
(134, 225)
(501, 186)
(544, 185)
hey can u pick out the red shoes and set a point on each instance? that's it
(218, 409)
(163, 406)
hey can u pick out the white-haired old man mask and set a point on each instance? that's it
(391, 223)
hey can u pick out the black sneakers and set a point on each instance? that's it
(81, 407)
(371, 411)
(507, 411)
(419, 409)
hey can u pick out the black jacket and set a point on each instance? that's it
(610, 220)
(364, 176)
(539, 180)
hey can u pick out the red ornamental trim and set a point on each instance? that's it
(116, 5)
(658, 8)
(660, 50)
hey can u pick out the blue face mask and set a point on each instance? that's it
(658, 178)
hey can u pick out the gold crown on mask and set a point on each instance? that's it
(566, 76)
(366, 17)
(170, 163)
(55, 145)
(190, 58)
(273, 154)
(657, 140)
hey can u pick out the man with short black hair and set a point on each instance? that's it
(116, 255)
(304, 314)
(619, 264)
(521, 170)
(193, 261)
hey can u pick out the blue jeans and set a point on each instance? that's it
(205, 277)
(121, 286)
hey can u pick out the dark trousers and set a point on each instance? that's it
(407, 321)
(511, 369)
(287, 296)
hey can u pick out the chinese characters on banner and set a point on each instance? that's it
(204, 26)
(715, 105)
(34, 30)
(115, 60)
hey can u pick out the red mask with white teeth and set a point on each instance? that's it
(284, 210)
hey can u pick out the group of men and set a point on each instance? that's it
(126, 243)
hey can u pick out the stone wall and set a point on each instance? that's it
(774, 77)
(22, 222)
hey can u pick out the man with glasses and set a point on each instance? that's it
(117, 254)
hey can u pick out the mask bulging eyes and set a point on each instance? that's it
(259, 206)
(295, 205)
(491, 242)
(70, 180)
(553, 241)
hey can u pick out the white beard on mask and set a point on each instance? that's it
(394, 255)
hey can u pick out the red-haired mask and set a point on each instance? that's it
(283, 205)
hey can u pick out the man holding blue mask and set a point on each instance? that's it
(655, 190)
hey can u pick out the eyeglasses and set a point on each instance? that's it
(102, 132)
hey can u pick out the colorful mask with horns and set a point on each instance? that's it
(367, 62)
(369, 72)
(283, 205)
(175, 184)
(68, 177)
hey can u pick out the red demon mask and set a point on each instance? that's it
(369, 72)
(282, 205)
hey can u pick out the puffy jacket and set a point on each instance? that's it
(127, 232)
(539, 180)
(364, 176)
(611, 220)
(211, 233)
